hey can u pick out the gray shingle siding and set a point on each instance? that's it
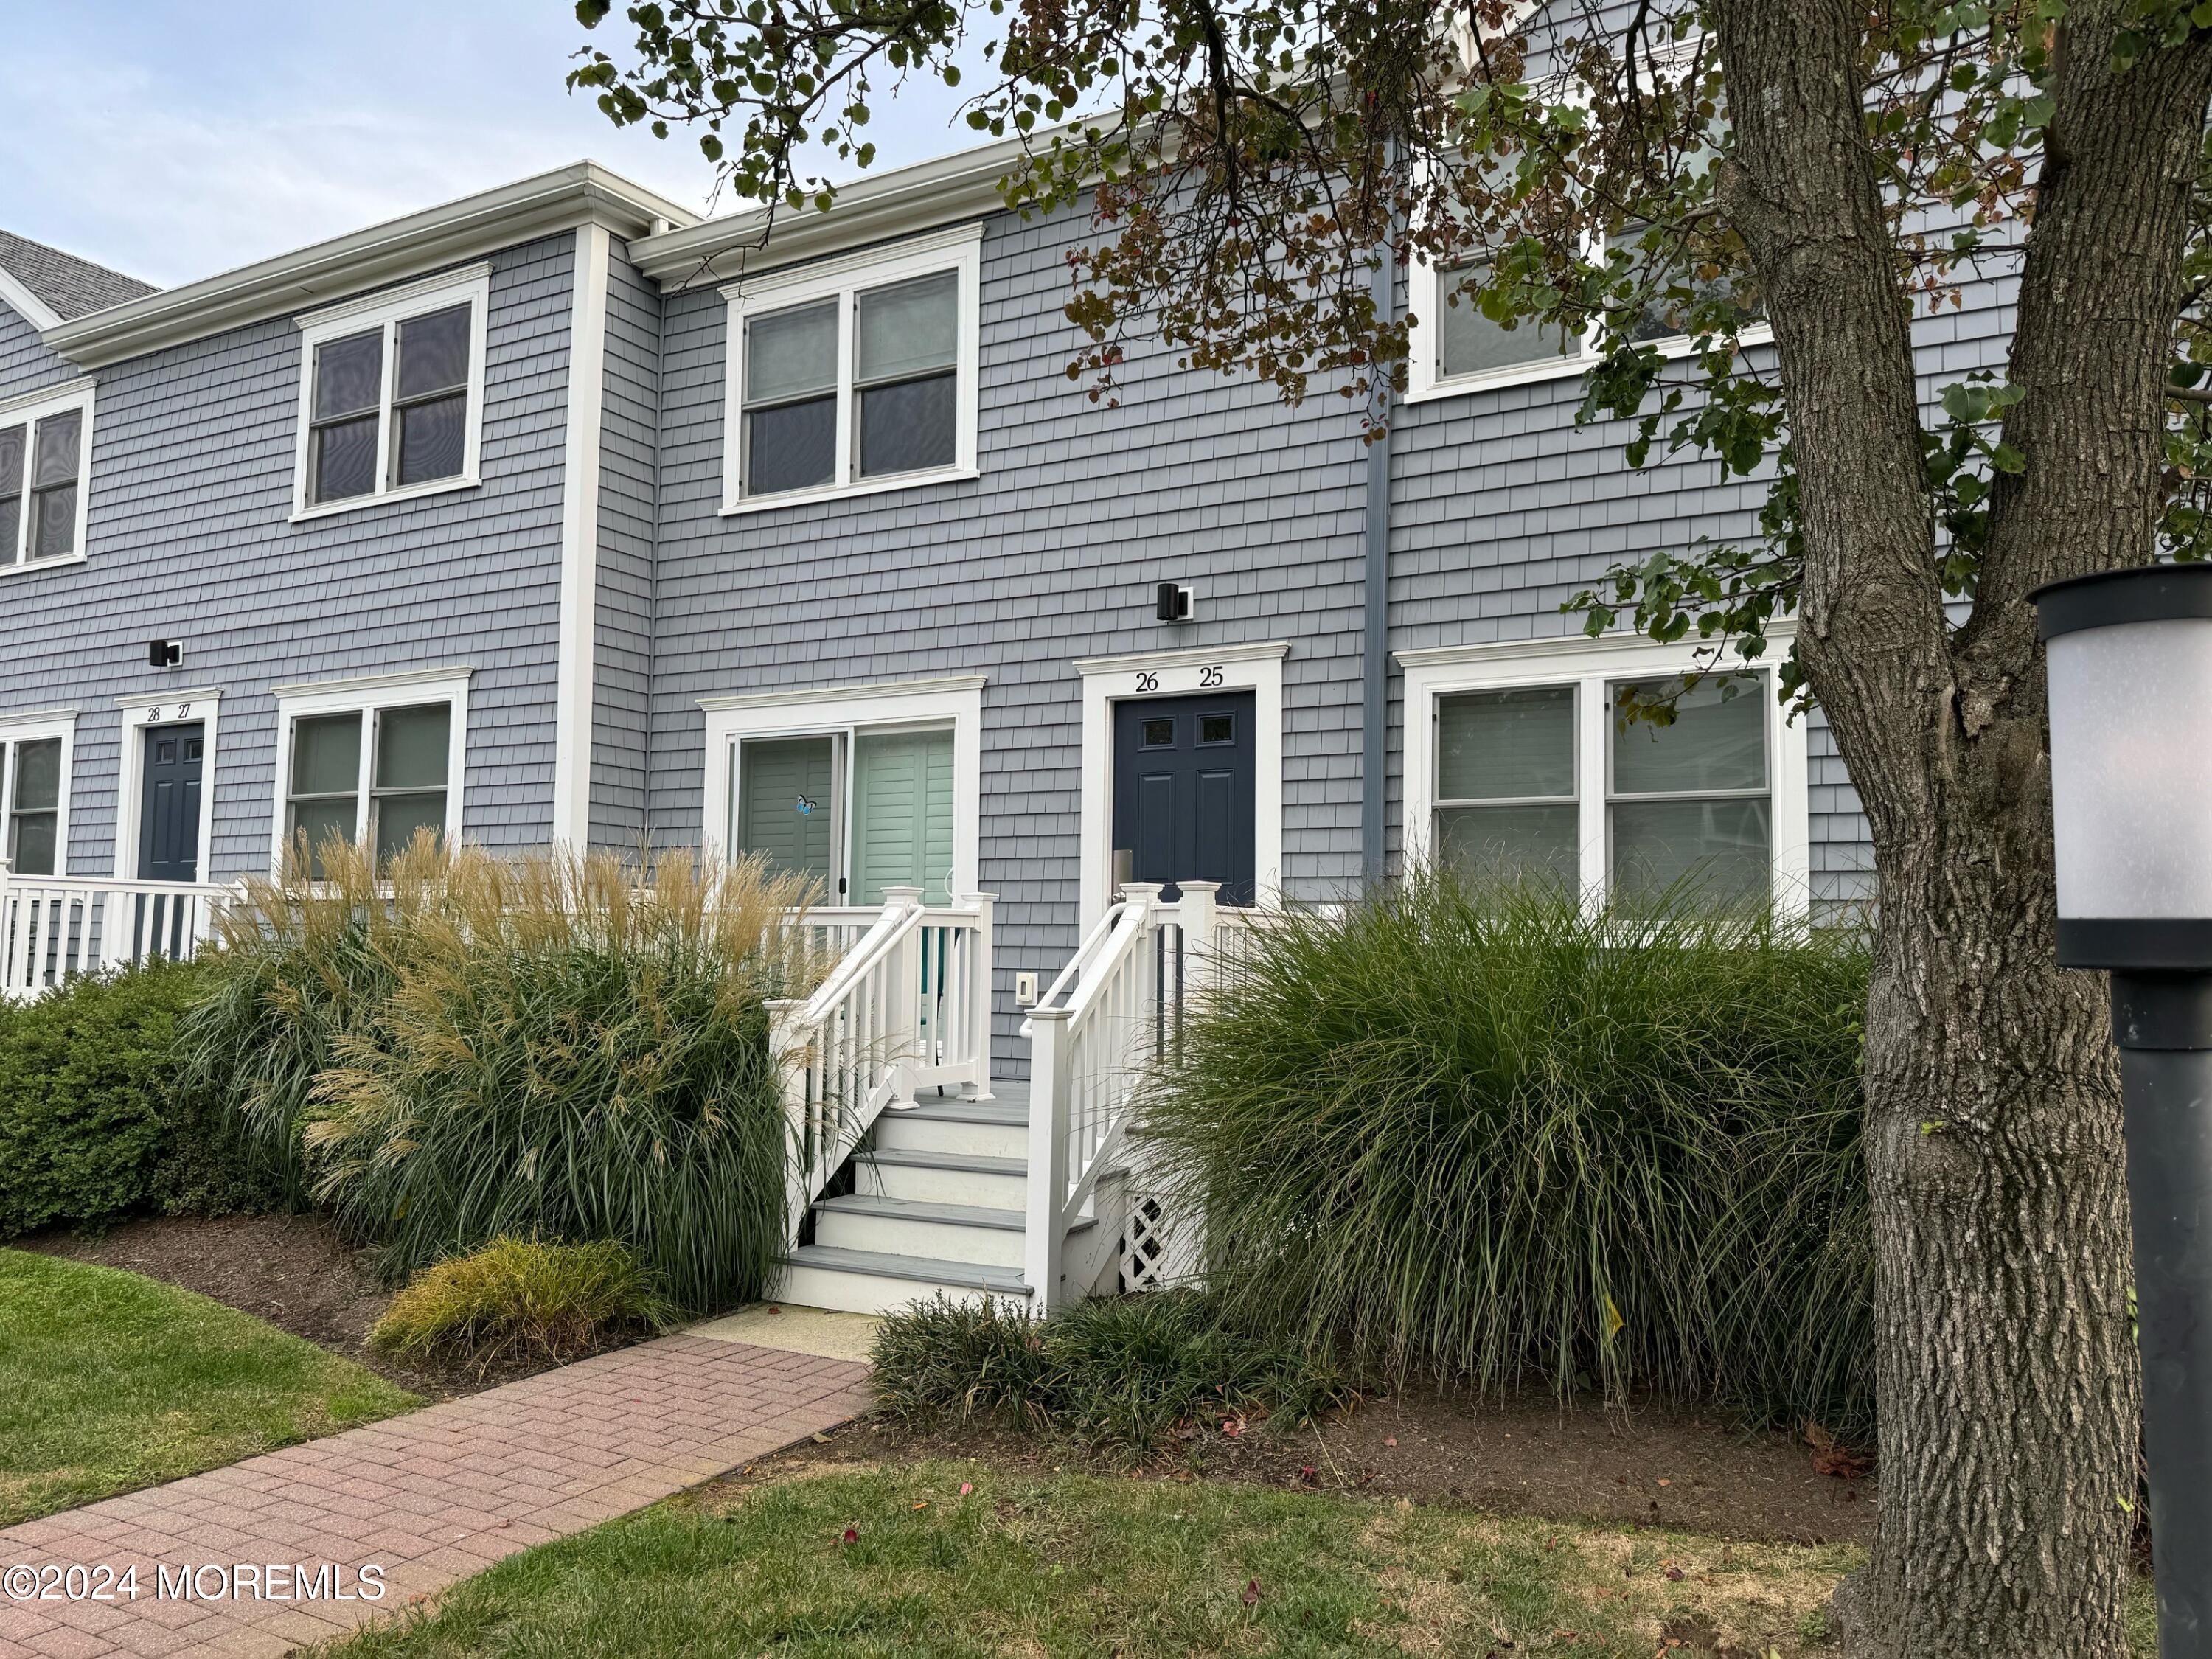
(189, 539)
(629, 477)
(26, 363)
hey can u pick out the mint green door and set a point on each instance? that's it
(902, 814)
(786, 805)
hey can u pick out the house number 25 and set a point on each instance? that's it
(1208, 678)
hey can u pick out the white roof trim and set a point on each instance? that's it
(329, 271)
(24, 303)
(803, 695)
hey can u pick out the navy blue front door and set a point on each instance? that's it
(169, 803)
(1183, 774)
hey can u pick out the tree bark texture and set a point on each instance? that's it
(2007, 1376)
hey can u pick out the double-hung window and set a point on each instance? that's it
(46, 446)
(372, 765)
(35, 761)
(1530, 768)
(856, 375)
(391, 395)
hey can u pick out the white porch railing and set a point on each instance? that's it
(1112, 1011)
(906, 1007)
(52, 926)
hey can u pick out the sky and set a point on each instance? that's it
(171, 141)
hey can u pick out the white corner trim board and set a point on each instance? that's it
(579, 540)
(147, 708)
(1589, 664)
(1109, 680)
(955, 701)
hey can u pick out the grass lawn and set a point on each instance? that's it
(110, 1381)
(1035, 1563)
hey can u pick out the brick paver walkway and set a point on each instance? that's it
(430, 1497)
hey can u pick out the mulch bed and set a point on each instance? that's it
(1653, 1465)
(292, 1270)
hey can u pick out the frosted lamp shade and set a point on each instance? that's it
(2129, 658)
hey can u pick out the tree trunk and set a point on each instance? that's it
(2007, 1376)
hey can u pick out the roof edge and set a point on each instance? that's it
(896, 203)
(581, 192)
(25, 304)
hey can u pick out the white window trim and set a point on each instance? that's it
(162, 708)
(1109, 680)
(36, 726)
(955, 701)
(387, 310)
(28, 408)
(1589, 664)
(368, 694)
(958, 249)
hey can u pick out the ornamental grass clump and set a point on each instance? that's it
(522, 1298)
(1493, 1136)
(461, 1047)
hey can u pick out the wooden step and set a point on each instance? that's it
(980, 1182)
(870, 1281)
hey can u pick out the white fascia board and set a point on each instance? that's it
(582, 193)
(25, 304)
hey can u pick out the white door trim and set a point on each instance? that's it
(956, 701)
(1109, 680)
(161, 708)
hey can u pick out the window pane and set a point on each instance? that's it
(11, 461)
(318, 820)
(910, 425)
(11, 509)
(1720, 847)
(902, 814)
(31, 843)
(1468, 342)
(433, 439)
(326, 756)
(53, 523)
(345, 459)
(909, 328)
(433, 352)
(1510, 842)
(792, 448)
(1663, 315)
(39, 775)
(1717, 741)
(399, 817)
(1497, 745)
(410, 747)
(57, 443)
(790, 353)
(784, 808)
(348, 374)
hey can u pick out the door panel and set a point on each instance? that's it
(785, 798)
(1183, 790)
(169, 803)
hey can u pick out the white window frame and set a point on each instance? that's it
(38, 726)
(1589, 666)
(29, 410)
(148, 709)
(959, 249)
(387, 311)
(1425, 300)
(1110, 680)
(368, 696)
(846, 712)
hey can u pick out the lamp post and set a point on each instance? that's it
(2131, 678)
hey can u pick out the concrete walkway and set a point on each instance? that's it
(425, 1499)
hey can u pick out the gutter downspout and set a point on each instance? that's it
(1375, 607)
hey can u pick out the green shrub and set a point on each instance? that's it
(461, 1047)
(556, 1301)
(94, 1122)
(1489, 1135)
(1120, 1372)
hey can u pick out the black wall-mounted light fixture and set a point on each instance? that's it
(164, 654)
(1175, 604)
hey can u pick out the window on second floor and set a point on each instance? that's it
(854, 375)
(46, 441)
(391, 392)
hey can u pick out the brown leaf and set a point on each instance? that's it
(1252, 1594)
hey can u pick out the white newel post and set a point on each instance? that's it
(904, 1023)
(788, 1043)
(1200, 918)
(1048, 1179)
(980, 992)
